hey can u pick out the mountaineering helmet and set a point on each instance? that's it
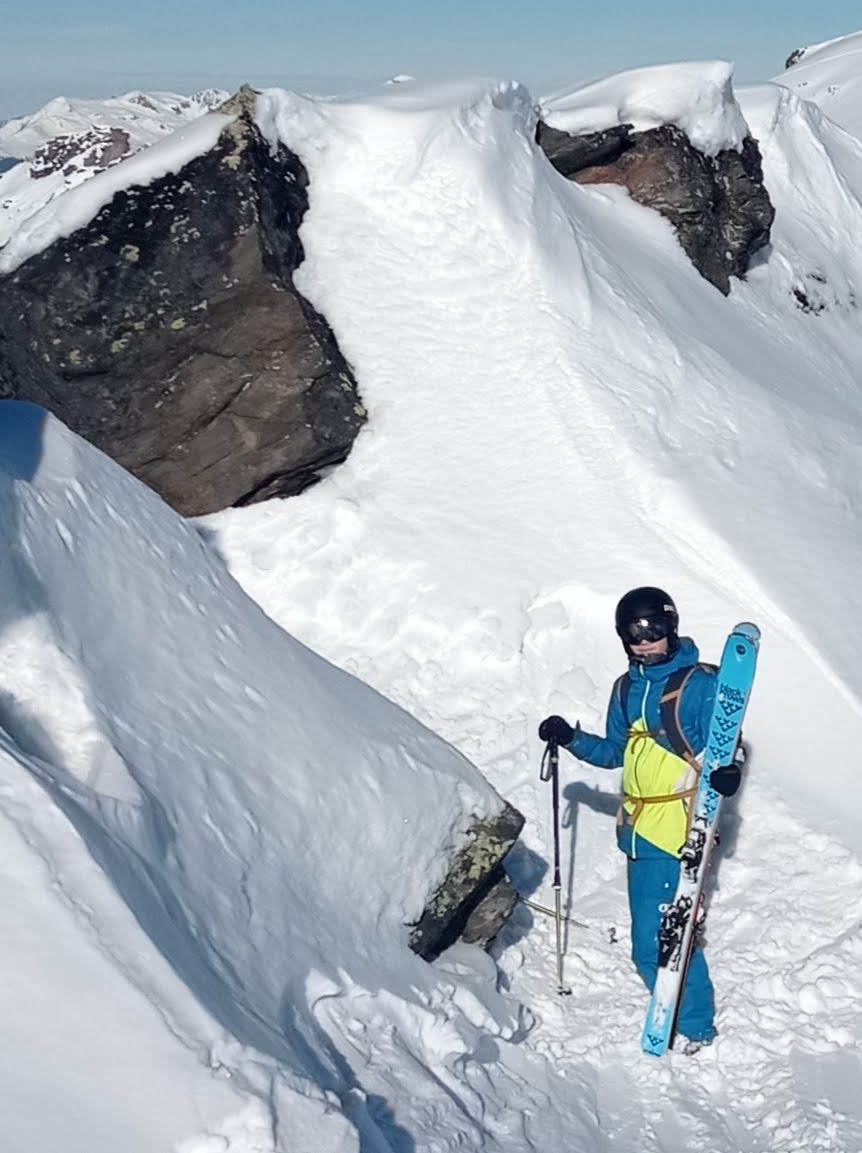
(648, 614)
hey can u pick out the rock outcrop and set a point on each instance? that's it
(476, 898)
(97, 148)
(169, 333)
(719, 206)
(794, 57)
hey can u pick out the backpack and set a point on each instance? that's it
(669, 705)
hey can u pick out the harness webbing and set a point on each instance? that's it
(640, 802)
(669, 705)
(671, 728)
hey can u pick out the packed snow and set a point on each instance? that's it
(559, 408)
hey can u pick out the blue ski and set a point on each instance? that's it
(676, 935)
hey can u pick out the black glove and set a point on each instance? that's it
(725, 779)
(556, 729)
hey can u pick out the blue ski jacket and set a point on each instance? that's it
(647, 686)
(657, 782)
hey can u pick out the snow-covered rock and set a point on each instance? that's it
(79, 130)
(674, 136)
(95, 148)
(146, 117)
(195, 362)
(719, 207)
(697, 98)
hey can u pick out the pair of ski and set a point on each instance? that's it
(679, 920)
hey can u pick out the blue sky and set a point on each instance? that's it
(99, 47)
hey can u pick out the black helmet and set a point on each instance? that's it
(648, 614)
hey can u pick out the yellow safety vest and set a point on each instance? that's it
(658, 790)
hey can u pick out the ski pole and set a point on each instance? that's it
(550, 771)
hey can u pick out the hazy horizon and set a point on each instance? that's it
(103, 51)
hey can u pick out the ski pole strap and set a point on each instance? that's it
(549, 761)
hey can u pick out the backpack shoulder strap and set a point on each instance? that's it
(621, 688)
(669, 709)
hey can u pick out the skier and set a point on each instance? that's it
(657, 725)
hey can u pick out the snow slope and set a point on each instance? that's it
(92, 1055)
(830, 76)
(580, 337)
(559, 408)
(219, 772)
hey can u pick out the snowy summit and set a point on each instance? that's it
(231, 749)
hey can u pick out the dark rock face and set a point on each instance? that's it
(168, 332)
(794, 57)
(476, 898)
(573, 154)
(719, 206)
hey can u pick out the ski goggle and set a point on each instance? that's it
(645, 629)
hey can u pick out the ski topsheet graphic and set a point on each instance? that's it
(676, 935)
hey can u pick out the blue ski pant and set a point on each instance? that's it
(652, 881)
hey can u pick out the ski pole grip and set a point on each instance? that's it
(549, 760)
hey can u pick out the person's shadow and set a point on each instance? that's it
(527, 869)
(576, 795)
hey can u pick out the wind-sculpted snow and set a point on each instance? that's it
(814, 173)
(272, 823)
(698, 98)
(102, 1046)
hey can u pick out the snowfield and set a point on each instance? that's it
(559, 408)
